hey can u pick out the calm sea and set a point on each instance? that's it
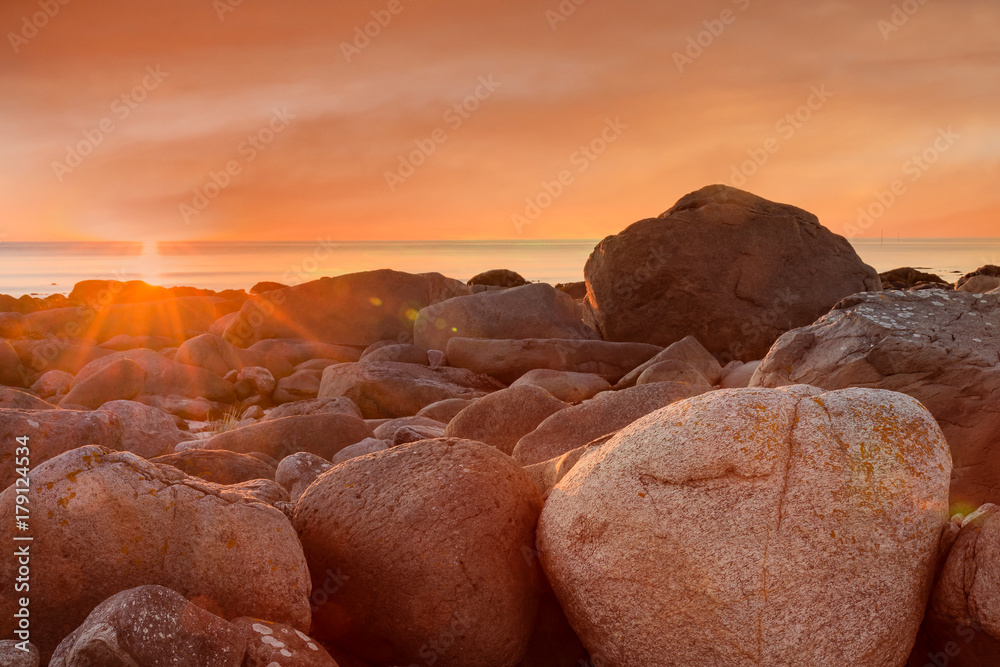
(49, 268)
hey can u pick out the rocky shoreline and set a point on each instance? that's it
(734, 444)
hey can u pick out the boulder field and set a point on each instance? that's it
(732, 444)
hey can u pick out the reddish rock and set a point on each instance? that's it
(564, 385)
(389, 389)
(504, 417)
(774, 267)
(277, 645)
(53, 432)
(605, 413)
(219, 466)
(430, 538)
(508, 360)
(531, 311)
(105, 522)
(938, 347)
(143, 625)
(754, 526)
(353, 309)
(323, 435)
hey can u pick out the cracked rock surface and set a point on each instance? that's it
(106, 521)
(941, 347)
(418, 555)
(753, 527)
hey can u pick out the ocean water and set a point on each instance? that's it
(50, 268)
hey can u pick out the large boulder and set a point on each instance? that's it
(117, 377)
(322, 434)
(446, 410)
(430, 536)
(17, 399)
(105, 521)
(755, 526)
(964, 609)
(939, 347)
(430, 428)
(504, 278)
(565, 385)
(220, 466)
(120, 380)
(11, 371)
(773, 267)
(405, 353)
(315, 406)
(505, 416)
(987, 272)
(214, 353)
(673, 371)
(144, 625)
(296, 472)
(51, 433)
(508, 360)
(962, 624)
(294, 351)
(739, 377)
(148, 431)
(688, 350)
(353, 309)
(123, 343)
(302, 385)
(53, 384)
(531, 311)
(606, 413)
(106, 292)
(55, 354)
(363, 448)
(386, 389)
(177, 319)
(14, 653)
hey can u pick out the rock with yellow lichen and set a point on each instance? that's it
(941, 347)
(753, 526)
(105, 521)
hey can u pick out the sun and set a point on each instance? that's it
(150, 265)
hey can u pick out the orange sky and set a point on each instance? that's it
(891, 95)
